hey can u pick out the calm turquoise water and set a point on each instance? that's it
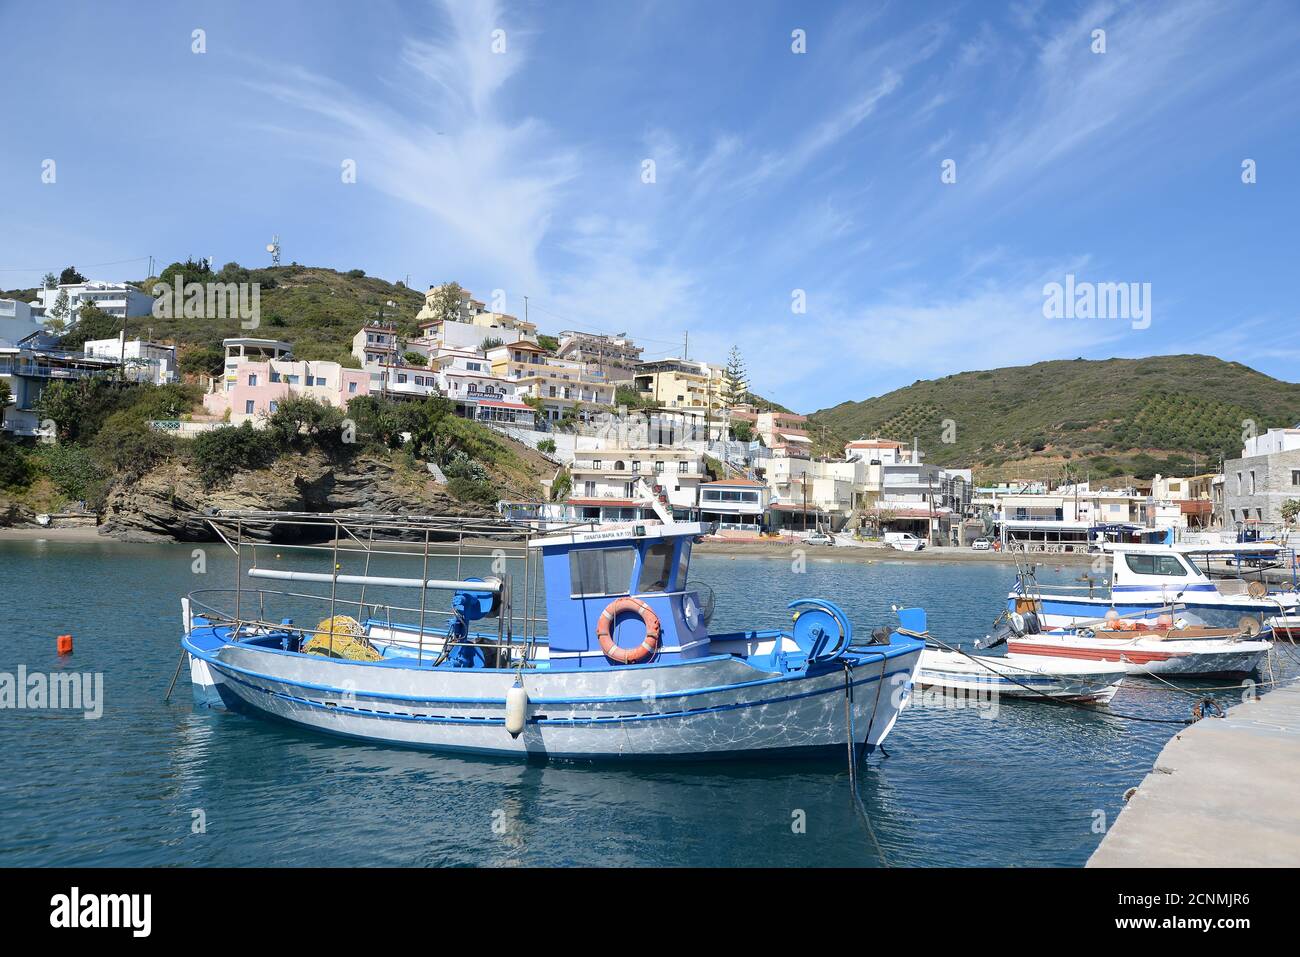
(1025, 788)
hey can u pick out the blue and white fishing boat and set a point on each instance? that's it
(626, 667)
(1147, 580)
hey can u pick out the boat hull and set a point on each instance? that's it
(1068, 612)
(1142, 656)
(1016, 676)
(710, 708)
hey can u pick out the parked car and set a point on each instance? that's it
(904, 541)
(818, 538)
(981, 545)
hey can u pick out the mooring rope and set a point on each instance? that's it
(853, 754)
(926, 636)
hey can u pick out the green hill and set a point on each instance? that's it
(1170, 414)
(319, 310)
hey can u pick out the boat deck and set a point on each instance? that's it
(1222, 794)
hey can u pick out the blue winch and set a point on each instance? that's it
(469, 606)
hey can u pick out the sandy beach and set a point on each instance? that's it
(34, 534)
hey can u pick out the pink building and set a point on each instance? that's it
(255, 389)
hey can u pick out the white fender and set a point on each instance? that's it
(516, 708)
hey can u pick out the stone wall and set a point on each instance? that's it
(1274, 484)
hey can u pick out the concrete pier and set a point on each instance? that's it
(1223, 793)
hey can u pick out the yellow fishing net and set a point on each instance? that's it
(348, 640)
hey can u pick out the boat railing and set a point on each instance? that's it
(260, 539)
(509, 645)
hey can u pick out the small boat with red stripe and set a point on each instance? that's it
(1166, 645)
(1286, 627)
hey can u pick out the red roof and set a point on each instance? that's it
(874, 444)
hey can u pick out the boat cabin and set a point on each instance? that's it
(631, 583)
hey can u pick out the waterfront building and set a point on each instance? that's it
(1262, 480)
(612, 357)
(605, 480)
(784, 431)
(17, 321)
(119, 299)
(256, 387)
(29, 367)
(483, 322)
(680, 384)
(141, 361)
(377, 344)
(736, 505)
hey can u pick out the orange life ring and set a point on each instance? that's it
(605, 629)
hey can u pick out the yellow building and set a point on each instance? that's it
(681, 384)
(472, 312)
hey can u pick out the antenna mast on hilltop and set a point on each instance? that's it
(274, 249)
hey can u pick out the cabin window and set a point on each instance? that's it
(683, 564)
(1166, 565)
(656, 566)
(600, 571)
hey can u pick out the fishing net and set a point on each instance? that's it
(348, 640)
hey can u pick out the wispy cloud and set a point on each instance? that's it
(490, 184)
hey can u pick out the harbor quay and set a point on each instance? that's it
(1221, 793)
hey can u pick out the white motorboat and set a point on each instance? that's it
(1146, 580)
(1020, 676)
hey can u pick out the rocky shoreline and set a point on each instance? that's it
(169, 503)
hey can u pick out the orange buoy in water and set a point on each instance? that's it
(65, 644)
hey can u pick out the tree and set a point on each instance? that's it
(92, 323)
(735, 385)
(549, 343)
(49, 281)
(415, 359)
(491, 342)
(1290, 509)
(56, 320)
(70, 276)
(300, 419)
(192, 270)
(444, 302)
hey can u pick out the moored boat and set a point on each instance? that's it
(1020, 676)
(1165, 646)
(627, 666)
(1148, 579)
(1286, 627)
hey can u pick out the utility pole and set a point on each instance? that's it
(686, 344)
(929, 524)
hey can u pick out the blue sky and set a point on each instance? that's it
(774, 171)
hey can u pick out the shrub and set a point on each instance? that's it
(128, 448)
(460, 465)
(302, 420)
(79, 408)
(202, 360)
(470, 490)
(16, 471)
(546, 446)
(220, 453)
(72, 469)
